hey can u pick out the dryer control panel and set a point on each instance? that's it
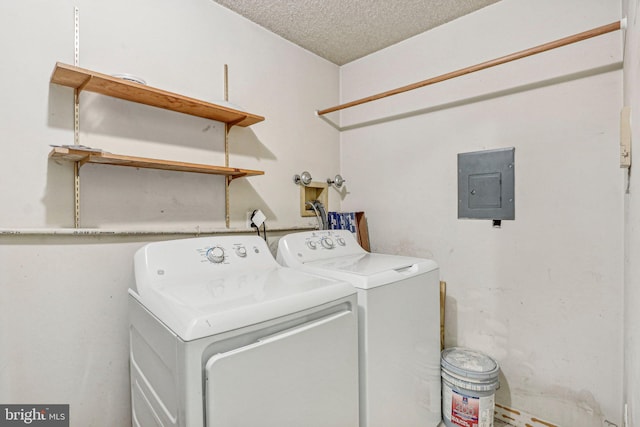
(198, 258)
(226, 252)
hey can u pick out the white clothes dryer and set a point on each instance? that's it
(399, 324)
(222, 336)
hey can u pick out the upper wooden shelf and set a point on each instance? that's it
(86, 156)
(82, 79)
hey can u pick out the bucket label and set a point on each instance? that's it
(464, 410)
(467, 411)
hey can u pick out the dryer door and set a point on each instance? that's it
(305, 376)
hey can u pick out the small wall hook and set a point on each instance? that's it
(337, 182)
(303, 179)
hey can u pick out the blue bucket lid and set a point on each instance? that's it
(469, 364)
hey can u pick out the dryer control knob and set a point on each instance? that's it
(241, 251)
(215, 254)
(341, 241)
(327, 242)
(311, 244)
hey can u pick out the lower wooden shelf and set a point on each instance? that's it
(101, 157)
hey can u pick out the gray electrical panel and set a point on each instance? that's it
(486, 184)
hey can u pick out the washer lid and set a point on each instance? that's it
(198, 309)
(337, 254)
(366, 264)
(370, 270)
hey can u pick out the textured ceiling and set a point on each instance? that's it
(344, 30)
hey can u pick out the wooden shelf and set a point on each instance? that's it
(85, 156)
(82, 79)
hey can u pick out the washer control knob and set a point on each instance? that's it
(311, 244)
(341, 241)
(215, 254)
(241, 251)
(327, 242)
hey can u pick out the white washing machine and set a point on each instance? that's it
(399, 322)
(221, 336)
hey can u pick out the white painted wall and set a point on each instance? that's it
(180, 47)
(632, 218)
(543, 294)
(63, 319)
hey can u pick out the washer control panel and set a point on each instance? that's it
(320, 244)
(326, 242)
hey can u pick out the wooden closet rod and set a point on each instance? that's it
(492, 63)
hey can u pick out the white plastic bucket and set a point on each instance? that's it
(469, 383)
